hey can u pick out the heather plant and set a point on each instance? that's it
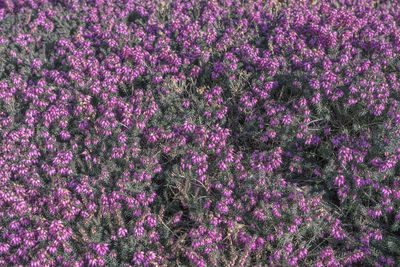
(199, 133)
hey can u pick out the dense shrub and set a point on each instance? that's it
(206, 133)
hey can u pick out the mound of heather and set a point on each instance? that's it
(199, 133)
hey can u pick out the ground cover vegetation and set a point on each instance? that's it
(199, 133)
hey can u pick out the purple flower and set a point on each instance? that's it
(138, 231)
(100, 249)
(122, 232)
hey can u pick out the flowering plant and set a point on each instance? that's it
(205, 133)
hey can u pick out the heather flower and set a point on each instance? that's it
(100, 249)
(138, 231)
(122, 232)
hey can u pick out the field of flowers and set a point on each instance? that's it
(199, 133)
